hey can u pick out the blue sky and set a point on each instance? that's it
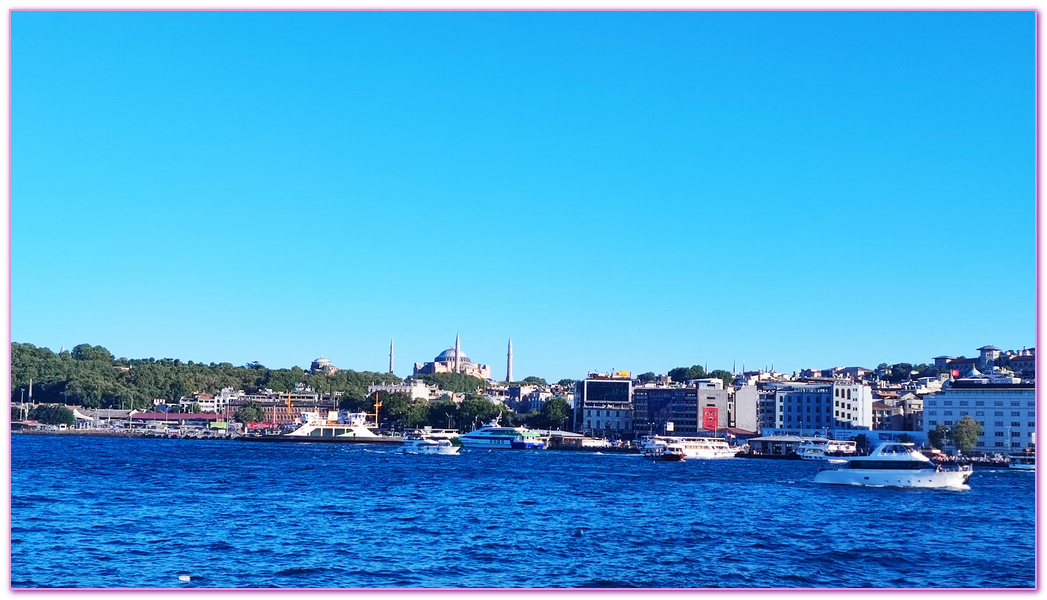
(629, 190)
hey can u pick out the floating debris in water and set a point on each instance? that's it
(184, 578)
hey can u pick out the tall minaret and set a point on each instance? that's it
(390, 355)
(457, 353)
(509, 364)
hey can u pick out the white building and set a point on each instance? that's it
(1006, 412)
(819, 405)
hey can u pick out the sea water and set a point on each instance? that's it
(164, 513)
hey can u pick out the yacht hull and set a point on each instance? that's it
(921, 478)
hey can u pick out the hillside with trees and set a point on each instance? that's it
(91, 376)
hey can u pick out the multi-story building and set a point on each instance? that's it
(656, 407)
(817, 405)
(1006, 412)
(603, 405)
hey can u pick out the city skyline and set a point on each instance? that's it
(631, 191)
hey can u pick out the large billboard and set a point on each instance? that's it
(607, 391)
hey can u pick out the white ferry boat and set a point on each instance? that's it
(1022, 461)
(420, 444)
(662, 450)
(693, 447)
(818, 449)
(337, 427)
(492, 436)
(893, 464)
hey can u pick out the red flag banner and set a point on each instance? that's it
(955, 372)
(710, 417)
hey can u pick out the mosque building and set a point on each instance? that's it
(453, 360)
(322, 365)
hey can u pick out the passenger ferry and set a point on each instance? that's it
(818, 449)
(893, 464)
(492, 436)
(420, 444)
(335, 427)
(693, 447)
(1022, 461)
(662, 450)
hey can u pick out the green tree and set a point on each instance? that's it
(900, 372)
(401, 411)
(965, 433)
(647, 377)
(567, 383)
(726, 376)
(454, 382)
(251, 413)
(939, 436)
(476, 411)
(555, 414)
(52, 414)
(443, 414)
(682, 374)
(532, 380)
(861, 441)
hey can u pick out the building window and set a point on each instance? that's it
(1015, 413)
(948, 403)
(998, 403)
(1032, 424)
(979, 403)
(1016, 424)
(932, 422)
(979, 413)
(963, 403)
(998, 413)
(948, 422)
(1015, 403)
(999, 444)
(999, 424)
(1016, 434)
(948, 413)
(998, 433)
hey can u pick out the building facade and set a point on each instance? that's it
(818, 405)
(1006, 412)
(603, 405)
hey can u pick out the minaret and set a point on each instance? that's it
(390, 355)
(509, 364)
(457, 353)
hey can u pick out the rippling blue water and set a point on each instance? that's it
(112, 512)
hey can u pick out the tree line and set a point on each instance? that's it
(92, 377)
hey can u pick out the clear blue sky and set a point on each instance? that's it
(629, 190)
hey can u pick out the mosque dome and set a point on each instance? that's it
(321, 362)
(448, 356)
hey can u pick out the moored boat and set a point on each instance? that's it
(819, 449)
(1022, 461)
(493, 436)
(893, 464)
(693, 447)
(661, 450)
(335, 427)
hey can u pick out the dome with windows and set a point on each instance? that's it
(448, 356)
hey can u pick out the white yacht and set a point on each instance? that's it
(421, 444)
(893, 464)
(693, 447)
(1022, 461)
(824, 449)
(492, 436)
